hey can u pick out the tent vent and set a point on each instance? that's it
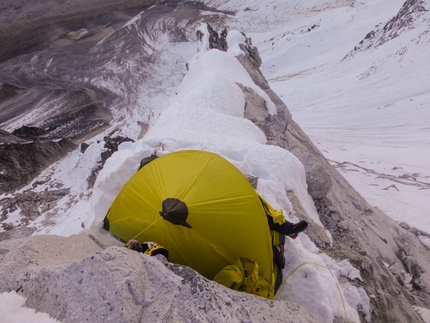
(175, 211)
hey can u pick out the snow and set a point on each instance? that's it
(12, 310)
(317, 283)
(13, 218)
(364, 113)
(424, 313)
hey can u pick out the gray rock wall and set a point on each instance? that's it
(78, 279)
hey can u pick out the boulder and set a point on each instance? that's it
(80, 279)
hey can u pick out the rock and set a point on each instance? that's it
(7, 137)
(84, 147)
(16, 233)
(23, 160)
(78, 34)
(216, 41)
(252, 52)
(31, 27)
(29, 133)
(402, 21)
(75, 280)
(404, 225)
(314, 231)
(319, 181)
(7, 92)
(253, 180)
(31, 205)
(111, 145)
(255, 108)
(344, 225)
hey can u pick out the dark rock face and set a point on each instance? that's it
(29, 133)
(43, 74)
(216, 41)
(7, 92)
(404, 20)
(111, 145)
(25, 155)
(7, 137)
(31, 204)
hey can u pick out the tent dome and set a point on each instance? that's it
(200, 207)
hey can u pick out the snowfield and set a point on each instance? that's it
(367, 111)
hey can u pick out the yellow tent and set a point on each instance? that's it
(200, 207)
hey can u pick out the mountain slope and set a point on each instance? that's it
(360, 92)
(224, 104)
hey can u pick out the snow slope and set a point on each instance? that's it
(367, 112)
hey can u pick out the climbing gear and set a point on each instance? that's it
(297, 228)
(133, 245)
(148, 245)
(278, 256)
(244, 276)
(154, 250)
(147, 160)
(148, 248)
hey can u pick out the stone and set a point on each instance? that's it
(90, 283)
(78, 34)
(24, 160)
(319, 181)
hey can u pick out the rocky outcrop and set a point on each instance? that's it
(30, 205)
(405, 19)
(25, 153)
(94, 283)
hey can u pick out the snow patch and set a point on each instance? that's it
(12, 310)
(424, 313)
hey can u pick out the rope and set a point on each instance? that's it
(145, 229)
(313, 263)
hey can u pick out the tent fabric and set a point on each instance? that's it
(244, 276)
(200, 207)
